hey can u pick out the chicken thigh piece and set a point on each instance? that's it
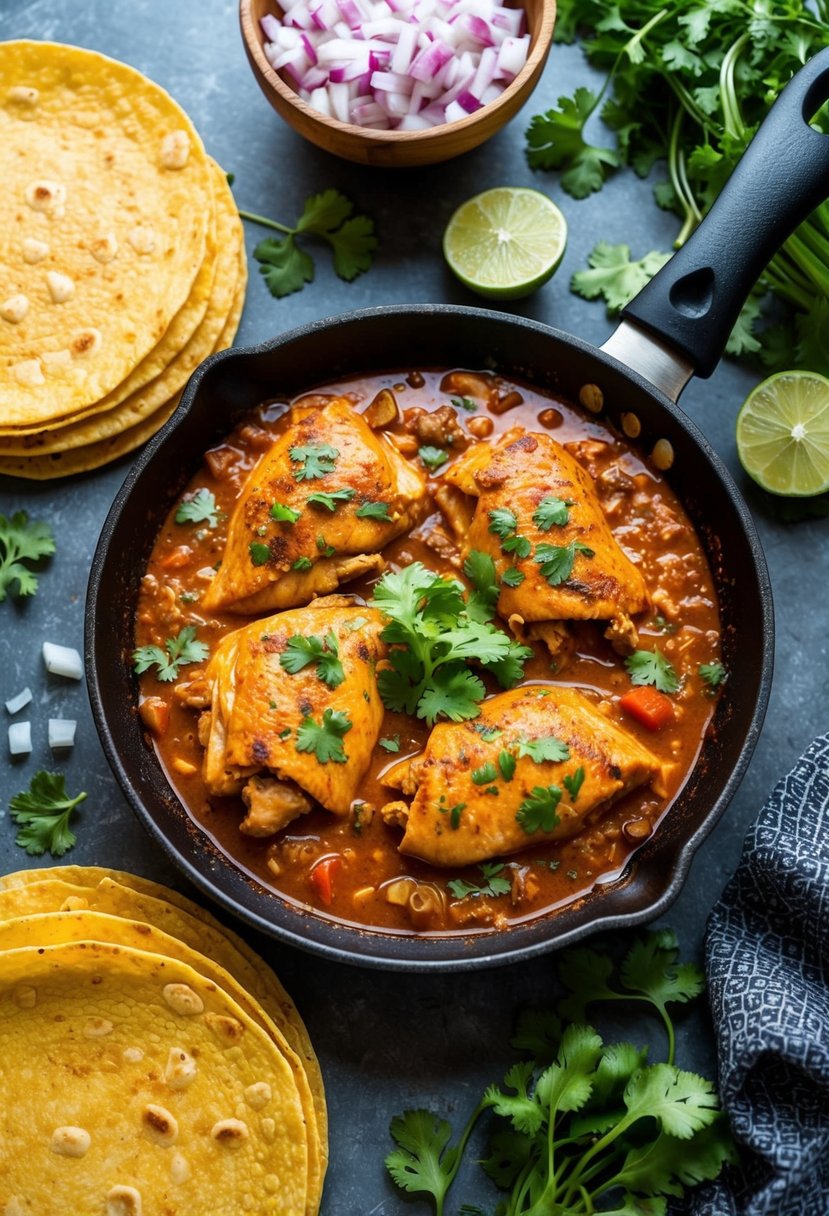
(538, 516)
(295, 713)
(531, 769)
(315, 512)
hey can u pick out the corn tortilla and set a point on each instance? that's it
(104, 225)
(107, 421)
(130, 1083)
(116, 893)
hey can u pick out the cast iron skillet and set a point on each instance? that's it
(677, 326)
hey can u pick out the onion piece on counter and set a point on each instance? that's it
(62, 661)
(62, 732)
(397, 64)
(20, 738)
(15, 704)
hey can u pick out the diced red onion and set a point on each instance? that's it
(397, 64)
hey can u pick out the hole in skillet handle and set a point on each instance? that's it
(695, 299)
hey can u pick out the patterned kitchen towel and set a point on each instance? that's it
(767, 959)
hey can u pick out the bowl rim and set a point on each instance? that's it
(540, 43)
(373, 948)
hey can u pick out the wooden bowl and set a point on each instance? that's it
(396, 149)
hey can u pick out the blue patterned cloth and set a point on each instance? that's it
(767, 959)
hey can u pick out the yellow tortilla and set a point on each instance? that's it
(131, 1084)
(104, 225)
(116, 893)
(130, 410)
(99, 452)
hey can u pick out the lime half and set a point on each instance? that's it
(783, 434)
(505, 242)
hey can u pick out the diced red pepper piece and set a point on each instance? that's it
(649, 706)
(322, 877)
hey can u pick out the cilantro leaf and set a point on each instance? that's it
(375, 510)
(557, 561)
(547, 748)
(456, 697)
(552, 511)
(353, 246)
(198, 508)
(519, 545)
(260, 554)
(651, 667)
(714, 674)
(524, 1113)
(494, 883)
(391, 744)
(479, 568)
(513, 577)
(682, 1102)
(433, 458)
(43, 813)
(324, 652)
(324, 739)
(506, 763)
(423, 1161)
(178, 652)
(485, 774)
(539, 1033)
(555, 140)
(302, 563)
(614, 276)
(329, 501)
(573, 783)
(283, 514)
(502, 522)
(314, 460)
(285, 267)
(538, 812)
(22, 541)
(464, 403)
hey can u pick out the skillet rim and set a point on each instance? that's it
(371, 948)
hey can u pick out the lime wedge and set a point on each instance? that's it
(783, 434)
(505, 242)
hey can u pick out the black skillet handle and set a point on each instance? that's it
(694, 301)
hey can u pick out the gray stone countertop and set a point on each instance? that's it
(386, 1041)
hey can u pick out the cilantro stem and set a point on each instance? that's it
(459, 1150)
(266, 223)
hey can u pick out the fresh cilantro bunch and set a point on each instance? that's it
(686, 87)
(43, 813)
(21, 541)
(581, 1126)
(285, 264)
(434, 632)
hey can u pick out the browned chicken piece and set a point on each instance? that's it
(487, 788)
(457, 510)
(558, 639)
(267, 722)
(282, 549)
(573, 569)
(271, 804)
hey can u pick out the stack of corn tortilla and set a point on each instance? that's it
(122, 263)
(149, 1060)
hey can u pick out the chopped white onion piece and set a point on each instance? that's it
(62, 732)
(20, 738)
(397, 64)
(15, 704)
(62, 661)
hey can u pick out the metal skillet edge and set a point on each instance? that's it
(234, 890)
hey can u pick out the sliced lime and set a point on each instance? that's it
(505, 242)
(783, 434)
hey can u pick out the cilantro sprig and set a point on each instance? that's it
(21, 541)
(494, 883)
(313, 460)
(434, 632)
(178, 651)
(199, 508)
(43, 813)
(578, 1125)
(286, 265)
(651, 667)
(323, 652)
(325, 738)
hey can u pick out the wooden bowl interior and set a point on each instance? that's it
(397, 148)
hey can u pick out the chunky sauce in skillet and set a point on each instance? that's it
(372, 884)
